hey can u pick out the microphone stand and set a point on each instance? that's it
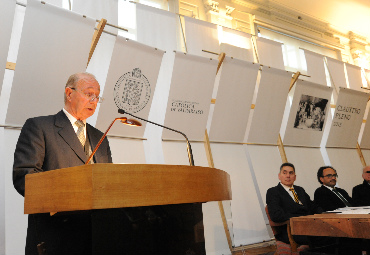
(190, 153)
(123, 119)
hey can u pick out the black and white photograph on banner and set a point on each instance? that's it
(311, 113)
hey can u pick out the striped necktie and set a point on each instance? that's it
(81, 132)
(295, 195)
(341, 197)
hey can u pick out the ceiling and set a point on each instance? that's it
(344, 15)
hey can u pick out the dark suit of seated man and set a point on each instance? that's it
(361, 193)
(328, 197)
(284, 203)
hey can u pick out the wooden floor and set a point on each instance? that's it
(255, 251)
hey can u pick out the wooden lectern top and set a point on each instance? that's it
(101, 186)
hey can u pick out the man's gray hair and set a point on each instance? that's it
(73, 79)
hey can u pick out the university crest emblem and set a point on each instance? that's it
(132, 91)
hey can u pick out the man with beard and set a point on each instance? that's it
(329, 197)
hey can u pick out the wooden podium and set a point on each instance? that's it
(165, 191)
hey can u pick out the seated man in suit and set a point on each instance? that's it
(328, 197)
(287, 200)
(361, 193)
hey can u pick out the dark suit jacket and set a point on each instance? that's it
(282, 207)
(48, 143)
(361, 194)
(327, 199)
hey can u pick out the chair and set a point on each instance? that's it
(282, 248)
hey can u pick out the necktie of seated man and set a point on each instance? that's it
(295, 196)
(341, 197)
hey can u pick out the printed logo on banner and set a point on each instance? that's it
(311, 113)
(132, 91)
(186, 107)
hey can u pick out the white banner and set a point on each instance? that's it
(7, 8)
(236, 44)
(130, 85)
(47, 56)
(367, 77)
(315, 67)
(270, 53)
(308, 114)
(354, 77)
(236, 52)
(201, 36)
(190, 96)
(233, 101)
(270, 104)
(365, 139)
(99, 62)
(99, 65)
(58, 3)
(347, 120)
(236, 38)
(337, 75)
(97, 9)
(156, 27)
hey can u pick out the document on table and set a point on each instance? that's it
(352, 210)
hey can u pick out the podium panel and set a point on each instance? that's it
(102, 186)
(122, 209)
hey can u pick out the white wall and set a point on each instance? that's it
(252, 168)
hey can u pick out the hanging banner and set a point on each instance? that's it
(367, 77)
(130, 85)
(99, 62)
(201, 38)
(354, 77)
(270, 53)
(315, 67)
(236, 44)
(336, 71)
(365, 139)
(347, 120)
(236, 38)
(97, 9)
(190, 96)
(236, 52)
(233, 101)
(47, 56)
(308, 114)
(7, 9)
(58, 3)
(270, 104)
(156, 27)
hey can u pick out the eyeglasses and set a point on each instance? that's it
(90, 96)
(331, 176)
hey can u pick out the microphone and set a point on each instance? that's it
(190, 153)
(124, 120)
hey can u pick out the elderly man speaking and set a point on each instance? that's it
(60, 141)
